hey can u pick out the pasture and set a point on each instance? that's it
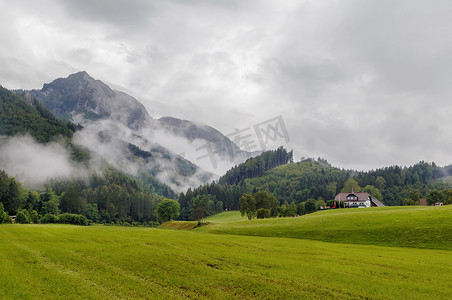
(412, 226)
(109, 262)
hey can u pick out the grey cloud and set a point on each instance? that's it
(405, 43)
(376, 71)
(118, 13)
(32, 163)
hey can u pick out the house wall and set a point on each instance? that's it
(356, 203)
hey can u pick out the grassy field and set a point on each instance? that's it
(179, 225)
(48, 261)
(108, 262)
(226, 217)
(415, 226)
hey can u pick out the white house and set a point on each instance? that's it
(360, 199)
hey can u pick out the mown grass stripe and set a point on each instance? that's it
(106, 262)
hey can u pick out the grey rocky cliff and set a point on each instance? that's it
(81, 95)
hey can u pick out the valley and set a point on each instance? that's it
(105, 262)
(116, 174)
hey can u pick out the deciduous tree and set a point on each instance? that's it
(349, 185)
(168, 209)
(248, 206)
(201, 206)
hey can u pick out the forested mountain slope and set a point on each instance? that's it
(92, 189)
(19, 115)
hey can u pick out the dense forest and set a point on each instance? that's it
(109, 196)
(317, 180)
(112, 198)
(24, 115)
(232, 185)
(19, 115)
(257, 166)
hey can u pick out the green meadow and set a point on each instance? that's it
(410, 226)
(236, 258)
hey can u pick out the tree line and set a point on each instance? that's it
(257, 166)
(109, 198)
(262, 205)
(317, 180)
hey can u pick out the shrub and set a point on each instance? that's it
(34, 217)
(73, 219)
(310, 206)
(23, 217)
(275, 211)
(407, 202)
(263, 213)
(49, 218)
(320, 204)
(301, 209)
(4, 218)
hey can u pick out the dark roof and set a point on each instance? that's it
(377, 202)
(343, 196)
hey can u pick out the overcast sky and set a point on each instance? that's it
(364, 84)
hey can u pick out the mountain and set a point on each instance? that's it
(38, 150)
(103, 111)
(36, 146)
(79, 96)
(208, 138)
(21, 115)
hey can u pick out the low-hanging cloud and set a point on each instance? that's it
(338, 71)
(109, 141)
(32, 163)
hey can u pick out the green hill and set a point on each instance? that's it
(257, 166)
(416, 227)
(226, 217)
(301, 181)
(318, 180)
(19, 116)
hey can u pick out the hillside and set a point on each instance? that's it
(301, 181)
(311, 179)
(414, 227)
(87, 187)
(19, 115)
(257, 166)
(317, 180)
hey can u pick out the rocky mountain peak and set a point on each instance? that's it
(81, 95)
